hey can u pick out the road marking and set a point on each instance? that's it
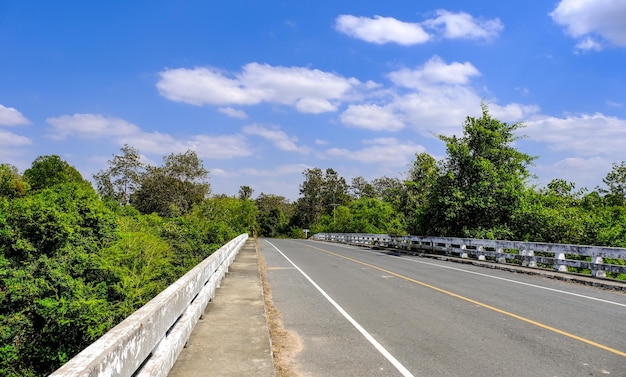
(405, 372)
(486, 306)
(507, 280)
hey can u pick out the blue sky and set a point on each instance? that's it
(262, 90)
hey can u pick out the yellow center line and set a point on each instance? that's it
(513, 315)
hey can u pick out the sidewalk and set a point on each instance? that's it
(233, 337)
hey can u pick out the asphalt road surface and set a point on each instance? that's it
(361, 312)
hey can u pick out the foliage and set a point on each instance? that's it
(54, 295)
(482, 181)
(174, 188)
(615, 181)
(12, 184)
(121, 179)
(364, 215)
(47, 171)
(72, 265)
(273, 215)
(321, 192)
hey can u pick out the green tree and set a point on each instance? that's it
(55, 295)
(12, 185)
(320, 193)
(174, 188)
(47, 171)
(274, 213)
(615, 181)
(310, 206)
(482, 183)
(421, 179)
(390, 190)
(245, 192)
(360, 188)
(121, 179)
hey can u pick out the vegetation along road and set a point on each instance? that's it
(360, 312)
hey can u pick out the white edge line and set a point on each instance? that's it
(405, 372)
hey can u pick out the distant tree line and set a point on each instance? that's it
(74, 260)
(480, 190)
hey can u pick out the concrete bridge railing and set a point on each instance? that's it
(530, 254)
(148, 342)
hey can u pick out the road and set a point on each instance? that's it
(360, 312)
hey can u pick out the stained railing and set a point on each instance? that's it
(559, 257)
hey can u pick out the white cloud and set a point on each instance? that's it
(90, 126)
(8, 140)
(583, 135)
(583, 18)
(512, 112)
(462, 25)
(309, 90)
(435, 71)
(383, 151)
(98, 127)
(11, 117)
(280, 139)
(371, 117)
(218, 172)
(200, 86)
(588, 44)
(381, 30)
(441, 97)
(314, 106)
(584, 172)
(233, 113)
(206, 146)
(220, 146)
(277, 171)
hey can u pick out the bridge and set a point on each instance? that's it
(373, 305)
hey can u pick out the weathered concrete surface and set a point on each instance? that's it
(233, 337)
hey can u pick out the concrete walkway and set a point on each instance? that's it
(233, 337)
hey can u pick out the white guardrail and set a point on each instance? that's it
(148, 342)
(529, 254)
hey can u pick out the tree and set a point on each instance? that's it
(173, 188)
(321, 192)
(12, 184)
(47, 171)
(615, 181)
(390, 190)
(273, 216)
(334, 191)
(309, 207)
(482, 183)
(121, 179)
(421, 179)
(360, 188)
(245, 192)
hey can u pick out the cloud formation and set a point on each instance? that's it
(583, 135)
(120, 131)
(435, 71)
(308, 90)
(463, 25)
(278, 138)
(445, 24)
(11, 117)
(381, 30)
(432, 98)
(383, 151)
(589, 20)
(8, 140)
